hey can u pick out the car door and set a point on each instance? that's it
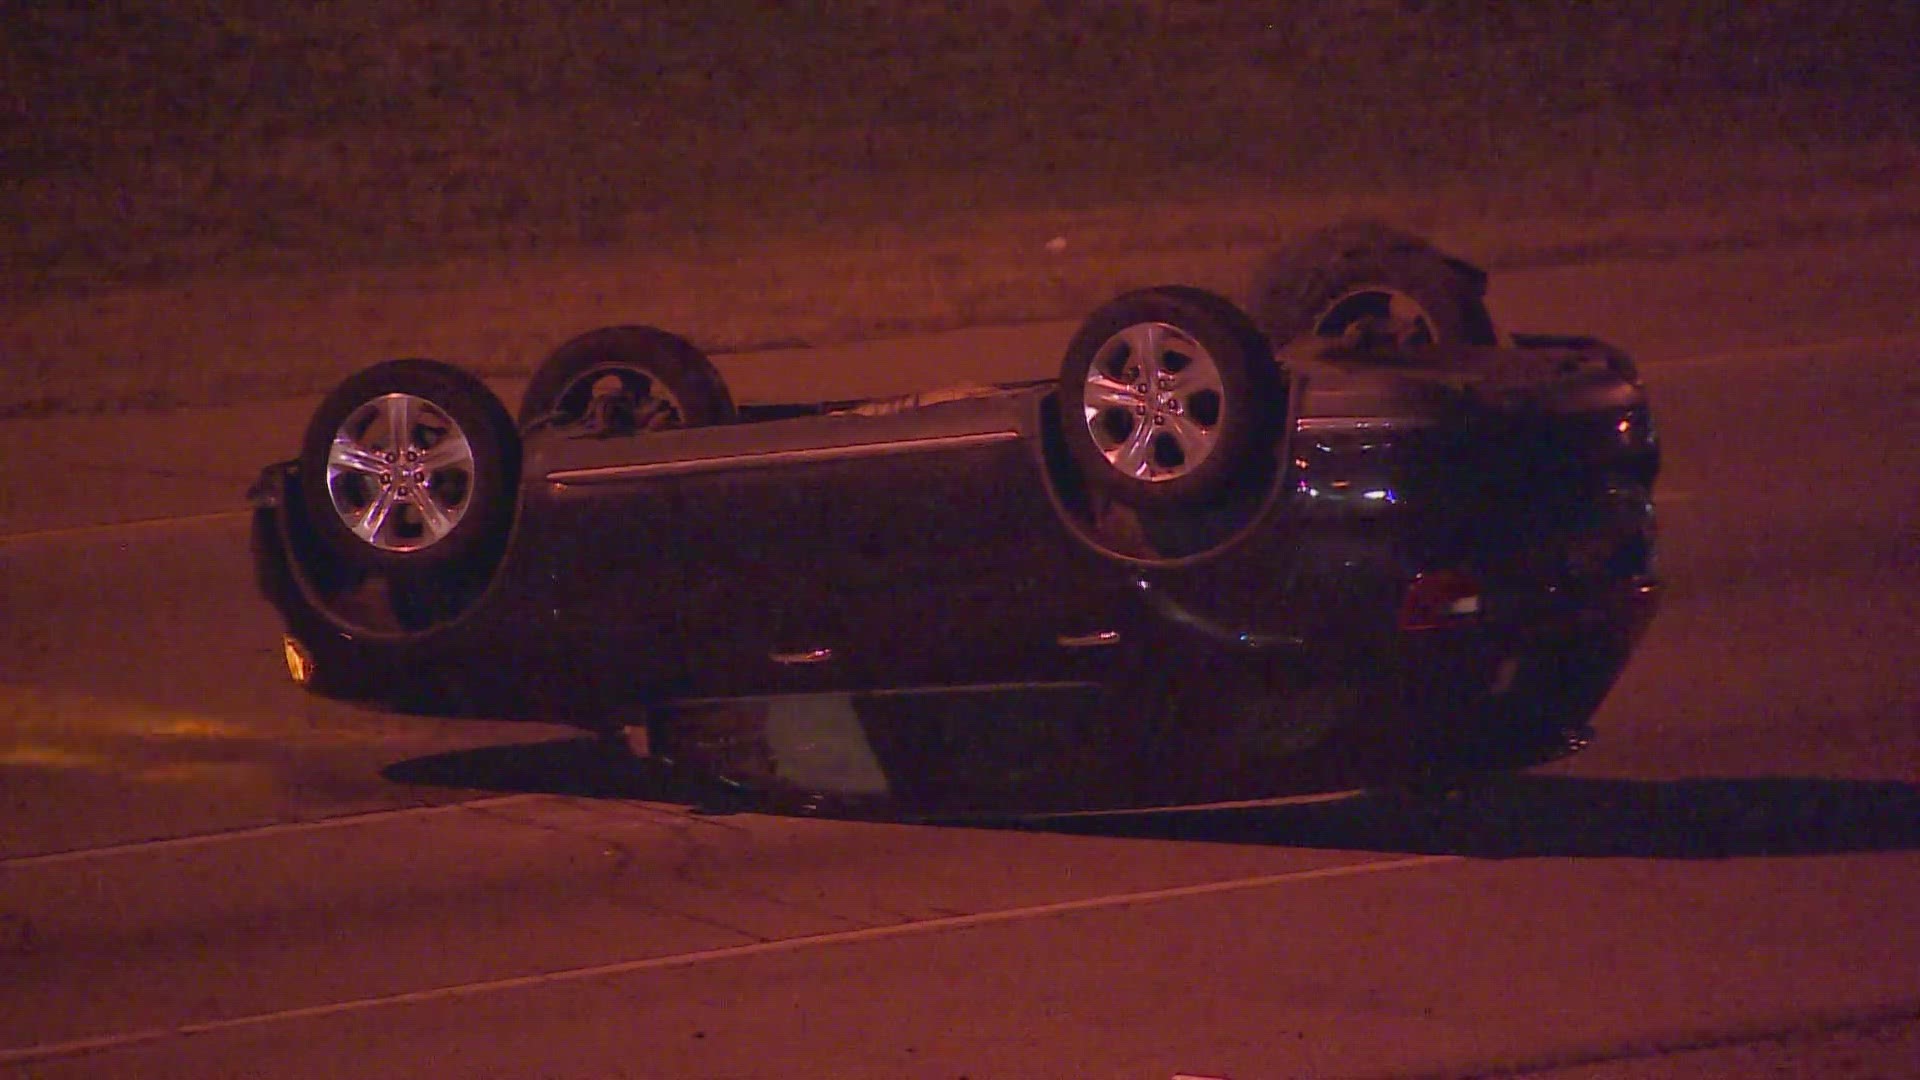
(692, 554)
(946, 559)
(846, 550)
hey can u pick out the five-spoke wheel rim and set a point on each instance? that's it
(1153, 401)
(400, 473)
(624, 394)
(1378, 314)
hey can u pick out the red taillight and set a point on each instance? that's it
(1441, 598)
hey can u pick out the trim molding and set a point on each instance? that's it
(769, 458)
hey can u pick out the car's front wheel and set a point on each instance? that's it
(409, 466)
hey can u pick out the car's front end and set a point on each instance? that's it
(1461, 563)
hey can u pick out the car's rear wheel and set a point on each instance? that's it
(1371, 282)
(1164, 395)
(628, 378)
(409, 466)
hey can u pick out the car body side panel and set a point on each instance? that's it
(841, 550)
(953, 568)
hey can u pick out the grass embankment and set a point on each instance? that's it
(217, 202)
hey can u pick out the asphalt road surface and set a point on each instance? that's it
(205, 873)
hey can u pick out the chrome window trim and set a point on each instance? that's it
(769, 458)
(1316, 425)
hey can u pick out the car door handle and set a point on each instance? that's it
(801, 656)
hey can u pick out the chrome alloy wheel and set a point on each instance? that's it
(1153, 401)
(400, 472)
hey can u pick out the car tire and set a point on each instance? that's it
(1368, 279)
(1189, 364)
(628, 377)
(410, 466)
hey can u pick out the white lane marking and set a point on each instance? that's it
(1039, 818)
(73, 531)
(123, 1040)
(180, 843)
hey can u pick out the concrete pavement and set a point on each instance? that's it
(1700, 894)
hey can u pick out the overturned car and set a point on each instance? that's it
(1355, 524)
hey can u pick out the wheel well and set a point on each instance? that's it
(1161, 536)
(375, 605)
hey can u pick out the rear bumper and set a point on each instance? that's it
(1508, 695)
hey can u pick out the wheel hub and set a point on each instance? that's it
(1152, 401)
(617, 397)
(1378, 317)
(399, 472)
